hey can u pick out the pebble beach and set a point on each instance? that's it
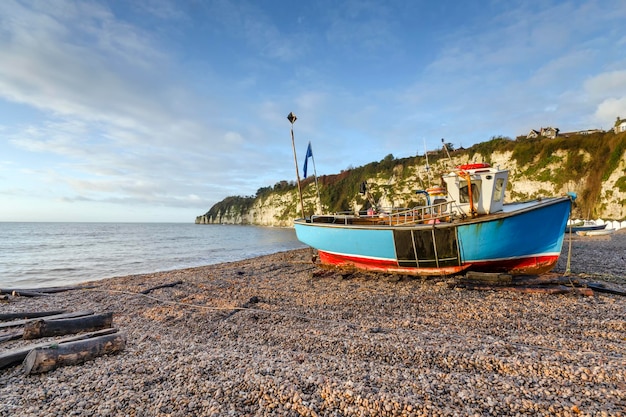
(279, 335)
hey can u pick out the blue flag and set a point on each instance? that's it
(309, 154)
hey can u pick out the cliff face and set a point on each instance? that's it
(276, 209)
(599, 183)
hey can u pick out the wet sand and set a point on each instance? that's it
(318, 342)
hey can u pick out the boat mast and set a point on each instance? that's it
(292, 119)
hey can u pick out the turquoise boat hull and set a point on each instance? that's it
(523, 238)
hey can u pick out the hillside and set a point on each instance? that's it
(593, 166)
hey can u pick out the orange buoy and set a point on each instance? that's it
(474, 166)
(436, 190)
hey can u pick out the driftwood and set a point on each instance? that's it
(485, 277)
(43, 290)
(23, 293)
(45, 359)
(532, 289)
(601, 288)
(46, 327)
(29, 314)
(172, 284)
(11, 336)
(16, 356)
(56, 316)
(550, 283)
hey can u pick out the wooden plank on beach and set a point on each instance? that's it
(44, 290)
(551, 289)
(16, 323)
(44, 328)
(29, 314)
(487, 277)
(44, 359)
(11, 336)
(23, 293)
(601, 288)
(16, 356)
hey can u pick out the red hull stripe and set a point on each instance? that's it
(529, 265)
(532, 265)
(381, 265)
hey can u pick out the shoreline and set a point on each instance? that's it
(318, 342)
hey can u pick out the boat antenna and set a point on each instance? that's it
(292, 119)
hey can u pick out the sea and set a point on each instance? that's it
(36, 255)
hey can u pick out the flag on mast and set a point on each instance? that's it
(309, 154)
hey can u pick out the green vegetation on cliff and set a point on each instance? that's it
(579, 162)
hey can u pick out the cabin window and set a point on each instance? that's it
(498, 191)
(464, 195)
(438, 209)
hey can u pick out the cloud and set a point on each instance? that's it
(606, 84)
(609, 109)
(608, 91)
(119, 125)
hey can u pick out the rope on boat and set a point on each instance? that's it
(569, 249)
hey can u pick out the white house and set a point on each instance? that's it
(547, 132)
(620, 126)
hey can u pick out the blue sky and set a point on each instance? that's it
(154, 110)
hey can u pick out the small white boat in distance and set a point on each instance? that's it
(600, 232)
(584, 226)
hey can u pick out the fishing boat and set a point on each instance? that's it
(463, 225)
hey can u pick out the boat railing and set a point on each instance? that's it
(434, 213)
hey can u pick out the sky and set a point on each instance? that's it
(154, 110)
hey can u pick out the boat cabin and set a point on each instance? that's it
(486, 194)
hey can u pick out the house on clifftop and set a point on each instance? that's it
(546, 132)
(620, 125)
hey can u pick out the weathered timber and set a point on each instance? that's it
(44, 328)
(29, 314)
(16, 323)
(44, 290)
(601, 288)
(23, 293)
(5, 337)
(552, 289)
(547, 279)
(16, 356)
(487, 277)
(45, 359)
(171, 284)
